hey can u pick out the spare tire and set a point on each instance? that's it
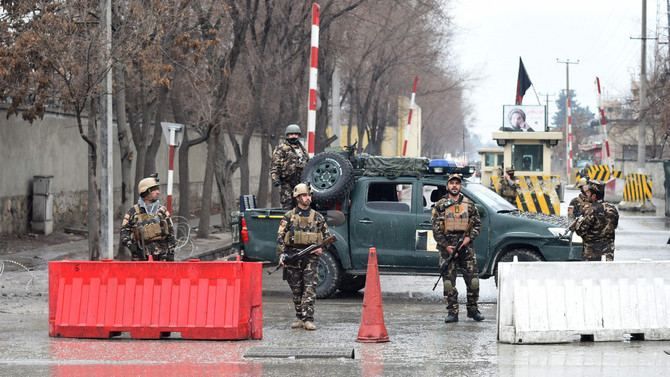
(331, 177)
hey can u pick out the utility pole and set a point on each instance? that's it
(106, 146)
(546, 109)
(641, 135)
(568, 119)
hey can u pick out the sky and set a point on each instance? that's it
(491, 35)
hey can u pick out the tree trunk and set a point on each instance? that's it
(206, 201)
(224, 170)
(243, 161)
(152, 149)
(126, 152)
(93, 210)
(263, 187)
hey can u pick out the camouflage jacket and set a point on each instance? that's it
(445, 239)
(288, 160)
(508, 188)
(294, 221)
(597, 222)
(577, 204)
(131, 220)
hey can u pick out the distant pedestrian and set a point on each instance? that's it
(456, 218)
(299, 228)
(147, 228)
(597, 224)
(288, 160)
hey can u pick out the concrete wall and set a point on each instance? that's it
(52, 146)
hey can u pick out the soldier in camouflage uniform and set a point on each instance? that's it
(301, 227)
(508, 186)
(455, 217)
(288, 160)
(578, 202)
(147, 228)
(597, 224)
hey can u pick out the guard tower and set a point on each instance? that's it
(491, 159)
(529, 153)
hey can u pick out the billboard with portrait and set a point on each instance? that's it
(523, 118)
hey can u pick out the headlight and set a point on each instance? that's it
(557, 232)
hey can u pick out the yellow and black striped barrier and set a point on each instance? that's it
(600, 173)
(637, 188)
(535, 194)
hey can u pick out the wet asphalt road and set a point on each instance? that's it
(421, 343)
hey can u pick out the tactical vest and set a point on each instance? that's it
(456, 217)
(302, 231)
(149, 227)
(507, 190)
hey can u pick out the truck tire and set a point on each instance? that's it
(329, 275)
(352, 283)
(524, 255)
(331, 177)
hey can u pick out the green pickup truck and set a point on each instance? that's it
(392, 212)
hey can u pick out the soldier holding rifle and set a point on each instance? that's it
(300, 228)
(456, 223)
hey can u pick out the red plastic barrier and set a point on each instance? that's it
(201, 300)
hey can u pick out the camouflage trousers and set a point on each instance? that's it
(467, 264)
(594, 250)
(157, 250)
(286, 195)
(301, 277)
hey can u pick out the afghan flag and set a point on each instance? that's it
(522, 83)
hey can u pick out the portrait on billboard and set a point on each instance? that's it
(523, 118)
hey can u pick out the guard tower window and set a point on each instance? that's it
(527, 157)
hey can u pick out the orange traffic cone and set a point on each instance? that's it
(372, 328)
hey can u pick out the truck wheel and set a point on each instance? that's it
(330, 176)
(329, 275)
(352, 283)
(524, 255)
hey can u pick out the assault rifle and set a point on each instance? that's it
(445, 266)
(303, 252)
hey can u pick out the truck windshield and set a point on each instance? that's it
(489, 198)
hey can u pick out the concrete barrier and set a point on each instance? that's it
(536, 194)
(555, 302)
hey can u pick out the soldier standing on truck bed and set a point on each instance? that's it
(147, 227)
(597, 224)
(288, 160)
(299, 228)
(455, 218)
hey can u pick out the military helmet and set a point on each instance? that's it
(293, 129)
(583, 181)
(597, 188)
(301, 188)
(510, 169)
(146, 184)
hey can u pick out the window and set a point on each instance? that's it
(390, 196)
(527, 157)
(431, 194)
(490, 159)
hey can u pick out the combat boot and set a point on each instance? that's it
(476, 315)
(451, 318)
(309, 325)
(297, 324)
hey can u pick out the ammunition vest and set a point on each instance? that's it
(149, 227)
(302, 230)
(508, 190)
(456, 217)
